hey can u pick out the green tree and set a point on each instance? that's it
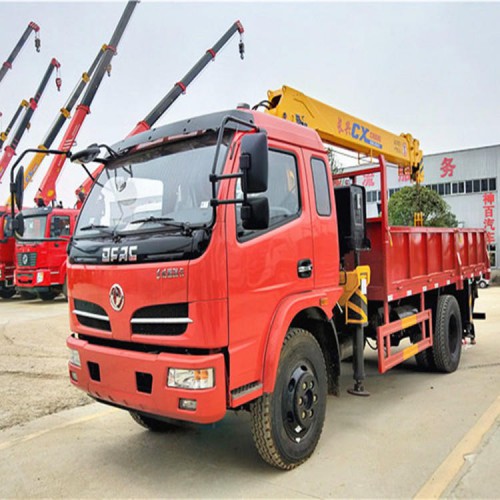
(333, 161)
(404, 203)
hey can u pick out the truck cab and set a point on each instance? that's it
(41, 254)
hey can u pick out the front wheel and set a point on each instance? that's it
(287, 424)
(47, 296)
(154, 424)
(7, 293)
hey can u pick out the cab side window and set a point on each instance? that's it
(59, 226)
(283, 193)
(321, 190)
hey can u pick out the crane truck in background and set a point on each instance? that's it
(192, 225)
(56, 226)
(7, 242)
(41, 254)
(32, 27)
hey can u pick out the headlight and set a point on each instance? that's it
(74, 358)
(191, 379)
(39, 276)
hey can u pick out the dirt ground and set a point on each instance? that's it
(33, 361)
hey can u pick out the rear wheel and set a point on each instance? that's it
(154, 424)
(7, 293)
(287, 424)
(447, 346)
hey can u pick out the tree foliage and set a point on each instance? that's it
(405, 202)
(335, 166)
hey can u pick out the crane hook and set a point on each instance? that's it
(241, 47)
(58, 81)
(38, 42)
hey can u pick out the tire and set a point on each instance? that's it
(7, 293)
(287, 424)
(447, 346)
(425, 360)
(482, 284)
(65, 289)
(27, 295)
(154, 424)
(47, 296)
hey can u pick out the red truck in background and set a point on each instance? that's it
(41, 255)
(215, 267)
(7, 250)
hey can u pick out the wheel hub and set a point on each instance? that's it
(299, 405)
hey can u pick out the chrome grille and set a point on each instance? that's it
(26, 259)
(91, 315)
(164, 319)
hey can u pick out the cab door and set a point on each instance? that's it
(266, 266)
(60, 231)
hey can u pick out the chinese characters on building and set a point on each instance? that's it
(447, 167)
(368, 180)
(489, 217)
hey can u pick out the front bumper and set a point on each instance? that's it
(6, 276)
(35, 279)
(117, 376)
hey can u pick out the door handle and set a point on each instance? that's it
(304, 268)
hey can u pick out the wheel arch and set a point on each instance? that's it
(306, 314)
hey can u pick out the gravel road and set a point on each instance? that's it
(33, 354)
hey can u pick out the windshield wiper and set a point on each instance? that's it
(169, 222)
(102, 229)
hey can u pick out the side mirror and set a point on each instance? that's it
(254, 163)
(87, 155)
(18, 225)
(255, 213)
(17, 190)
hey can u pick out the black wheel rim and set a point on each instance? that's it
(300, 402)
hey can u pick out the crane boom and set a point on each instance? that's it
(8, 63)
(5, 134)
(47, 190)
(167, 101)
(10, 150)
(338, 128)
(61, 118)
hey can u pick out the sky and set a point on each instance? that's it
(430, 69)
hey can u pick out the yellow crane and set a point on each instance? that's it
(338, 128)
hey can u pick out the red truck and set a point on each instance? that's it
(41, 255)
(215, 267)
(7, 249)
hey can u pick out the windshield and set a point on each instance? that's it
(34, 227)
(164, 187)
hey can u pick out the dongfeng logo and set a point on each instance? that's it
(25, 259)
(116, 297)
